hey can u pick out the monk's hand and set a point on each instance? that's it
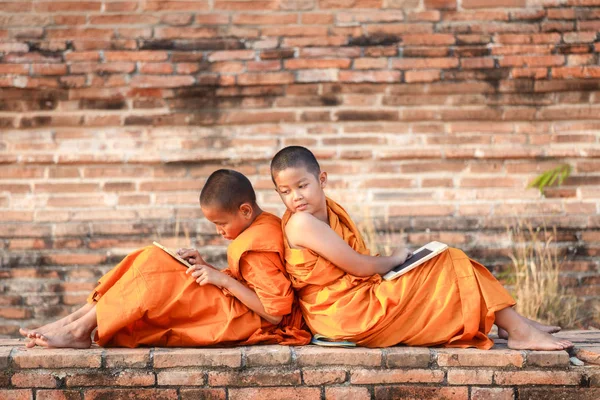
(400, 255)
(192, 256)
(205, 275)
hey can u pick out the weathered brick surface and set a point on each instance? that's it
(407, 357)
(315, 356)
(474, 357)
(267, 356)
(168, 358)
(126, 358)
(197, 374)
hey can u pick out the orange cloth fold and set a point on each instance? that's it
(449, 300)
(147, 299)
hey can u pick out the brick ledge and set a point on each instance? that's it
(282, 372)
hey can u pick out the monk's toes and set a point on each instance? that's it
(30, 344)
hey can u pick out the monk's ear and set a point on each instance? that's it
(323, 179)
(246, 210)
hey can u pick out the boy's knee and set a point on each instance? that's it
(456, 254)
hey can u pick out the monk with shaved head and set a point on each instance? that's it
(151, 299)
(449, 300)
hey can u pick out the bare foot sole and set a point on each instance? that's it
(531, 338)
(62, 338)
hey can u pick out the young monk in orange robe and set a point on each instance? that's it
(450, 300)
(151, 299)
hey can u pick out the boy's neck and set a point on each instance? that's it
(256, 212)
(323, 216)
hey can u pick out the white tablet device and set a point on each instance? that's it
(421, 255)
(172, 254)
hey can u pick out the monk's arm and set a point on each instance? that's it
(250, 299)
(207, 274)
(305, 231)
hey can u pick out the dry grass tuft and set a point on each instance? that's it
(537, 288)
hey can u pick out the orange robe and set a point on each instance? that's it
(449, 300)
(148, 300)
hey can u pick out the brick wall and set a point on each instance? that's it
(433, 114)
(281, 372)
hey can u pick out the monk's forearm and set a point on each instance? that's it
(249, 298)
(371, 265)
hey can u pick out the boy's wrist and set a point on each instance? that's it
(226, 281)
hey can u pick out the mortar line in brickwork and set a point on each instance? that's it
(102, 358)
(151, 358)
(243, 357)
(294, 356)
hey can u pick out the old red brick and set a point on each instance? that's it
(258, 377)
(38, 379)
(420, 392)
(162, 81)
(197, 357)
(478, 393)
(291, 393)
(187, 377)
(67, 6)
(537, 377)
(316, 356)
(272, 78)
(205, 394)
(364, 376)
(470, 377)
(131, 394)
(57, 395)
(16, 394)
(548, 359)
(197, 5)
(558, 393)
(345, 392)
(56, 358)
(267, 356)
(327, 376)
(123, 378)
(479, 358)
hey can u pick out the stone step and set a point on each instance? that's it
(304, 372)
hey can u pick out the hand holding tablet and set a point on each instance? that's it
(420, 256)
(172, 254)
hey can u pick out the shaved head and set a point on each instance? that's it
(228, 190)
(295, 157)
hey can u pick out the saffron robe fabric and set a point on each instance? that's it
(148, 300)
(449, 300)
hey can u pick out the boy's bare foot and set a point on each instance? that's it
(36, 332)
(527, 337)
(31, 333)
(502, 334)
(63, 337)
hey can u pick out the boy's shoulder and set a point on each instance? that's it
(264, 234)
(265, 223)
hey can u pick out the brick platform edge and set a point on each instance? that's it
(309, 372)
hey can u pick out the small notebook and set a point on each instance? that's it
(321, 340)
(172, 254)
(419, 257)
